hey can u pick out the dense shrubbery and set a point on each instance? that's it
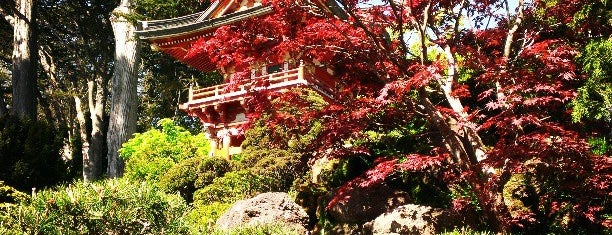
(149, 155)
(9, 194)
(202, 218)
(193, 173)
(30, 154)
(107, 207)
(233, 186)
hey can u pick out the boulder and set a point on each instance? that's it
(363, 205)
(265, 208)
(413, 219)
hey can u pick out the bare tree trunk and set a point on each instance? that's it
(3, 110)
(97, 101)
(87, 163)
(122, 123)
(24, 59)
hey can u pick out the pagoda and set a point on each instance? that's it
(221, 108)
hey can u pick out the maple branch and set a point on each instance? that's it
(508, 44)
(515, 26)
(7, 16)
(423, 32)
(400, 25)
(380, 45)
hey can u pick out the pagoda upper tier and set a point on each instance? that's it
(176, 36)
(222, 108)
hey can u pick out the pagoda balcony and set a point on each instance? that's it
(313, 77)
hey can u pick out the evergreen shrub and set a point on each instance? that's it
(193, 173)
(117, 206)
(233, 186)
(210, 169)
(30, 154)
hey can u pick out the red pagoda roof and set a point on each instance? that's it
(176, 36)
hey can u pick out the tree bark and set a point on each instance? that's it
(97, 100)
(24, 59)
(3, 109)
(87, 163)
(122, 123)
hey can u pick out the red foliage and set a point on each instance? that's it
(515, 104)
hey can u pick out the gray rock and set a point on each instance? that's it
(364, 205)
(265, 208)
(413, 219)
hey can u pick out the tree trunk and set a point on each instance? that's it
(87, 163)
(97, 101)
(24, 58)
(3, 109)
(122, 123)
(92, 147)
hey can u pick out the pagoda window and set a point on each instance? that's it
(274, 68)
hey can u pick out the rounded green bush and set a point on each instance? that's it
(233, 186)
(151, 154)
(210, 169)
(193, 173)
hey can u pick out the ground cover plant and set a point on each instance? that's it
(111, 207)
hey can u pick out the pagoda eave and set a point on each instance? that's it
(166, 34)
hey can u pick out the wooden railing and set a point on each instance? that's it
(271, 81)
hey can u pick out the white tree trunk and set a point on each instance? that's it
(24, 73)
(97, 101)
(87, 163)
(122, 123)
(92, 147)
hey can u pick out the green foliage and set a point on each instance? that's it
(515, 194)
(404, 138)
(161, 9)
(9, 194)
(600, 145)
(30, 154)
(151, 154)
(594, 100)
(312, 198)
(233, 186)
(193, 173)
(283, 166)
(265, 229)
(466, 231)
(210, 169)
(108, 207)
(424, 188)
(202, 218)
(181, 178)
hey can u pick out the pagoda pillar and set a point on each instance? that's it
(212, 136)
(226, 146)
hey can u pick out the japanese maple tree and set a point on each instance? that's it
(492, 81)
